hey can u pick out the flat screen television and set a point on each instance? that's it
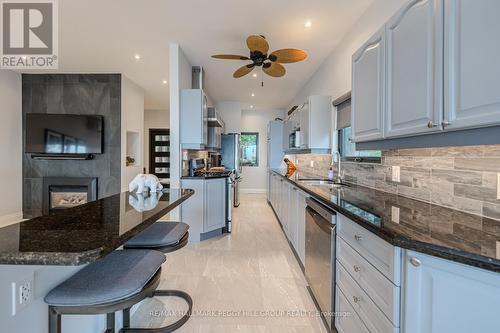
(64, 134)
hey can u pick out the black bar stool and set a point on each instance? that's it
(113, 283)
(165, 237)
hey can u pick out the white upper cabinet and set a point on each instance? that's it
(472, 71)
(414, 69)
(194, 119)
(442, 296)
(368, 87)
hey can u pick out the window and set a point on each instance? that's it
(250, 149)
(348, 149)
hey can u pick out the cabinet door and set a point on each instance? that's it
(472, 71)
(292, 217)
(301, 226)
(192, 210)
(414, 69)
(442, 296)
(368, 80)
(304, 125)
(285, 206)
(215, 204)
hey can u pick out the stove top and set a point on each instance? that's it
(212, 174)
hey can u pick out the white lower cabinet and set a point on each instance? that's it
(347, 321)
(365, 274)
(289, 203)
(206, 209)
(441, 296)
(372, 317)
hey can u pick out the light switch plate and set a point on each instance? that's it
(396, 173)
(395, 214)
(312, 164)
(498, 250)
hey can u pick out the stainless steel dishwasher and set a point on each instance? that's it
(320, 256)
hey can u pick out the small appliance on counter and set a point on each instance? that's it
(294, 139)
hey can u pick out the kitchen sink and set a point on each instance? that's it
(322, 182)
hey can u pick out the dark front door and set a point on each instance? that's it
(159, 155)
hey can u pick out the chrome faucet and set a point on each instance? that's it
(336, 153)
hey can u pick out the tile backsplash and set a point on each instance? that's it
(463, 178)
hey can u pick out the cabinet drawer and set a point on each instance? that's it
(382, 291)
(366, 309)
(385, 257)
(350, 323)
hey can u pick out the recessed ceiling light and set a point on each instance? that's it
(164, 81)
(137, 57)
(251, 106)
(308, 24)
(254, 74)
(253, 95)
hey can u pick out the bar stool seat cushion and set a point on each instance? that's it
(159, 234)
(118, 276)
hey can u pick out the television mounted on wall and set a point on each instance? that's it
(64, 135)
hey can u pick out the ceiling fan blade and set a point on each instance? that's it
(257, 43)
(242, 71)
(286, 56)
(274, 69)
(230, 57)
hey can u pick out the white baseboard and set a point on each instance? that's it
(5, 220)
(253, 190)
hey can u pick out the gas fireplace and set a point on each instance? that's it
(64, 192)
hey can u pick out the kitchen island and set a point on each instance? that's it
(48, 249)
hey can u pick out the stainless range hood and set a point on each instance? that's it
(216, 128)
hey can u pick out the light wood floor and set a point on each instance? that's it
(252, 269)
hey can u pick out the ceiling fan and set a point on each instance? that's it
(271, 63)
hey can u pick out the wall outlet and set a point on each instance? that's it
(395, 214)
(396, 174)
(23, 293)
(498, 186)
(312, 163)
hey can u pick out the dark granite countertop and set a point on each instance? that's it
(82, 234)
(423, 227)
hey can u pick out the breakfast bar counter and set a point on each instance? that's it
(85, 233)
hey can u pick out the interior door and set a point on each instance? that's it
(414, 69)
(368, 88)
(472, 74)
(159, 155)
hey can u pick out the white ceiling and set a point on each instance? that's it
(104, 35)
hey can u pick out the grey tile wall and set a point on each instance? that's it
(97, 94)
(463, 178)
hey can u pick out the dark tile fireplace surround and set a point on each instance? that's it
(72, 181)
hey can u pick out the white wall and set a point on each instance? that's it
(132, 120)
(153, 119)
(231, 114)
(10, 147)
(334, 75)
(255, 178)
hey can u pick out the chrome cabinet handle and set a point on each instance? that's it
(356, 268)
(356, 299)
(445, 123)
(357, 238)
(430, 124)
(415, 261)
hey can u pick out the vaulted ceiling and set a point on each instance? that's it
(105, 35)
